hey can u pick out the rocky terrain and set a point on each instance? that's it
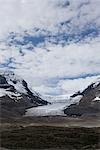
(89, 104)
(15, 96)
(50, 137)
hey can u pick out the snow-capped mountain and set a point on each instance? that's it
(54, 46)
(89, 102)
(82, 103)
(47, 46)
(15, 95)
(16, 98)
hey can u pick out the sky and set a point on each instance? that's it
(53, 44)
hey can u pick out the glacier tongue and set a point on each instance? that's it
(49, 110)
(55, 108)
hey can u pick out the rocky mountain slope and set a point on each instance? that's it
(15, 96)
(89, 103)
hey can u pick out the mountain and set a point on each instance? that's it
(15, 96)
(89, 102)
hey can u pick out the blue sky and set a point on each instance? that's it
(53, 44)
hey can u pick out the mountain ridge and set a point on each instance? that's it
(89, 103)
(15, 96)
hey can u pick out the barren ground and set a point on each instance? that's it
(51, 133)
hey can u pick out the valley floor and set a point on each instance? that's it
(57, 121)
(57, 132)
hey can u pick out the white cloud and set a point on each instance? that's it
(75, 85)
(44, 70)
(17, 15)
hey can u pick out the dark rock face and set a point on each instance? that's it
(87, 104)
(15, 102)
(3, 82)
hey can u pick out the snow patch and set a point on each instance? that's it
(97, 82)
(15, 81)
(97, 99)
(76, 99)
(12, 95)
